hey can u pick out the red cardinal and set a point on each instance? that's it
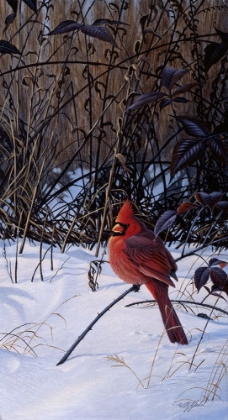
(138, 256)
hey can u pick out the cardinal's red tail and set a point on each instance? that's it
(170, 319)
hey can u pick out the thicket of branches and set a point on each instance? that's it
(115, 99)
(88, 118)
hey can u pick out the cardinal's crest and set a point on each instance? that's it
(126, 212)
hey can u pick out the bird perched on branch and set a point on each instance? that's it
(138, 256)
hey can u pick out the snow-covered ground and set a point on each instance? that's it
(125, 368)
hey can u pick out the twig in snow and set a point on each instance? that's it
(134, 288)
(182, 302)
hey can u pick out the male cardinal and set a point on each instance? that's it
(138, 256)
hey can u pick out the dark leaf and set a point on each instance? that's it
(222, 205)
(218, 277)
(217, 294)
(66, 26)
(207, 289)
(186, 207)
(98, 22)
(201, 277)
(202, 315)
(13, 4)
(125, 6)
(164, 221)
(216, 261)
(223, 35)
(24, 82)
(177, 76)
(137, 46)
(218, 150)
(145, 99)
(41, 38)
(186, 152)
(209, 200)
(165, 102)
(99, 32)
(215, 197)
(166, 76)
(32, 4)
(213, 53)
(215, 288)
(184, 88)
(194, 127)
(7, 48)
(10, 19)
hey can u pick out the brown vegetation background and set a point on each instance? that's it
(80, 78)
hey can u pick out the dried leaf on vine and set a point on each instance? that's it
(216, 261)
(122, 160)
(186, 207)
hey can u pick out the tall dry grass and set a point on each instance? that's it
(63, 106)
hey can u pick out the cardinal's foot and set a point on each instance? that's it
(136, 287)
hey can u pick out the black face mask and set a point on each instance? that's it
(125, 227)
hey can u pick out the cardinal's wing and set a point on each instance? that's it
(147, 251)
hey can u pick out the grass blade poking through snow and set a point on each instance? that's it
(134, 288)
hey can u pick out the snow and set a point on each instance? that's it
(40, 320)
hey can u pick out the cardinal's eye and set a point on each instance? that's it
(119, 229)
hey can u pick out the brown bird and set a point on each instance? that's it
(138, 256)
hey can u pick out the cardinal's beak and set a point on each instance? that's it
(119, 229)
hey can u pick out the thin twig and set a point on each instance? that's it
(80, 338)
(182, 302)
